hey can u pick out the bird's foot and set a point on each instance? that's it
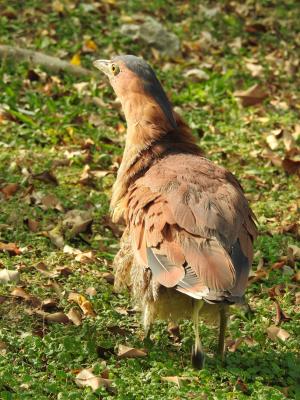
(198, 358)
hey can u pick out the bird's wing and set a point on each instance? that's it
(192, 226)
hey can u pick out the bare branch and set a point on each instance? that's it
(53, 64)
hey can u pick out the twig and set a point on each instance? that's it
(53, 64)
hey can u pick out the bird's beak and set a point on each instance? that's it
(104, 66)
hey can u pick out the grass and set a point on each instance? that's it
(46, 126)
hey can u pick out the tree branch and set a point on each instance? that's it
(53, 64)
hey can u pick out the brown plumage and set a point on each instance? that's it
(188, 244)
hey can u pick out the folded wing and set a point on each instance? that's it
(192, 226)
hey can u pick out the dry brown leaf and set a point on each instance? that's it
(20, 293)
(48, 305)
(49, 202)
(91, 291)
(295, 250)
(85, 258)
(32, 224)
(130, 352)
(291, 167)
(7, 276)
(58, 317)
(280, 315)
(252, 96)
(11, 248)
(288, 141)
(75, 222)
(274, 158)
(43, 269)
(9, 190)
(234, 344)
(87, 378)
(75, 316)
(297, 298)
(83, 303)
(255, 69)
(3, 347)
(296, 277)
(46, 177)
(109, 277)
(274, 332)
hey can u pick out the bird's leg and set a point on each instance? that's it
(223, 324)
(197, 351)
(147, 324)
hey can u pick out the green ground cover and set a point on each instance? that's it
(74, 128)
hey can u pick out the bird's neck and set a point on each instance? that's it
(150, 136)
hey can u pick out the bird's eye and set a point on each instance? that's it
(115, 69)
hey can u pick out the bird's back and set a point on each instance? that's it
(192, 226)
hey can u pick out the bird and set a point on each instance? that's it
(187, 246)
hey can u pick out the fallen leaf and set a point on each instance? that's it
(56, 287)
(280, 315)
(289, 141)
(291, 167)
(274, 332)
(20, 293)
(3, 348)
(75, 222)
(91, 291)
(196, 75)
(81, 87)
(234, 344)
(255, 69)
(178, 380)
(58, 317)
(89, 46)
(48, 305)
(71, 250)
(75, 60)
(87, 378)
(297, 298)
(32, 224)
(240, 385)
(252, 96)
(47, 177)
(174, 332)
(75, 316)
(83, 303)
(56, 236)
(130, 352)
(272, 142)
(11, 248)
(9, 190)
(109, 277)
(85, 258)
(51, 202)
(7, 276)
(43, 269)
(295, 250)
(173, 379)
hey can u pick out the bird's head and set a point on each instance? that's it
(132, 78)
